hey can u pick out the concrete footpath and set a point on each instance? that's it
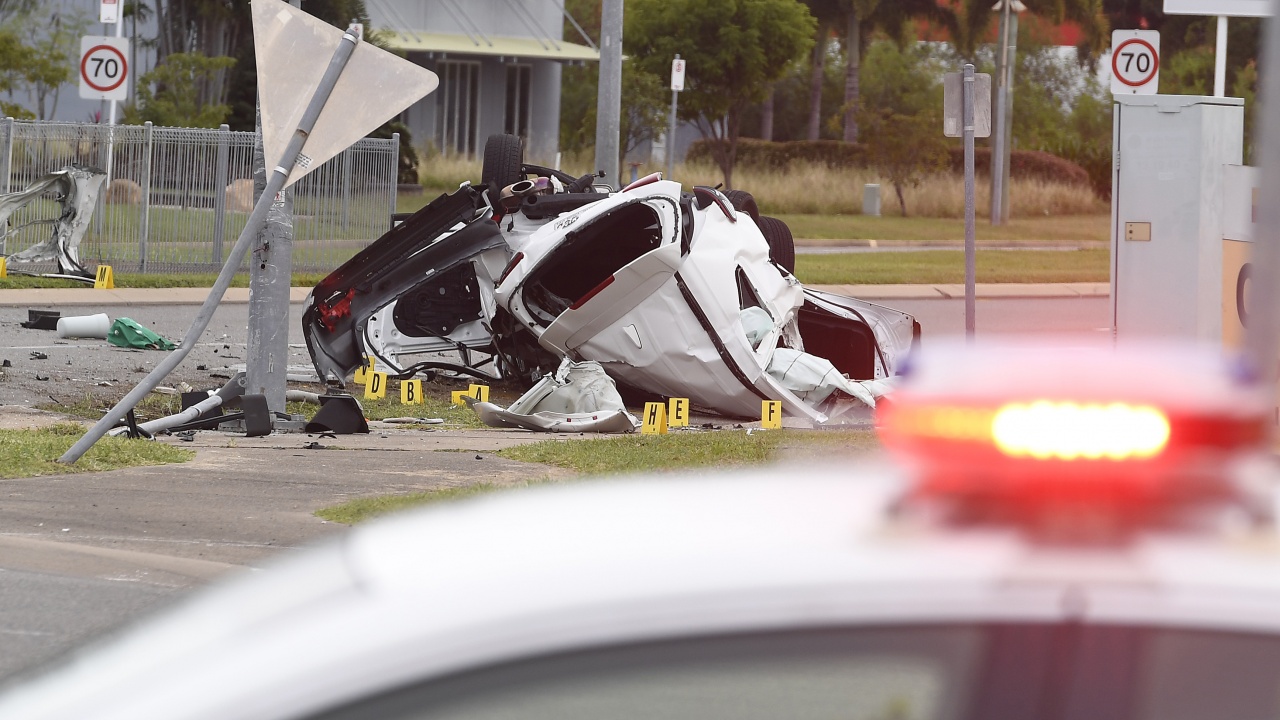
(83, 297)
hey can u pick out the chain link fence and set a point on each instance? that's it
(177, 198)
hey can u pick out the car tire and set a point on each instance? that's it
(503, 158)
(782, 246)
(744, 201)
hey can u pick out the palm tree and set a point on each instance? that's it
(828, 13)
(862, 17)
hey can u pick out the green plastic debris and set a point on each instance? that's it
(127, 333)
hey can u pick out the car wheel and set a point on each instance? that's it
(503, 158)
(782, 246)
(743, 201)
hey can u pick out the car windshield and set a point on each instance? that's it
(990, 672)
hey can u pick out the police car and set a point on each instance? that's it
(1059, 531)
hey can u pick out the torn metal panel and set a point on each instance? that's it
(77, 188)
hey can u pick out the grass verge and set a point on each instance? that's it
(30, 453)
(624, 455)
(919, 230)
(157, 405)
(947, 266)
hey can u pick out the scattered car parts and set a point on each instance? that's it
(76, 188)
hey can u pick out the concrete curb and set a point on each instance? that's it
(89, 297)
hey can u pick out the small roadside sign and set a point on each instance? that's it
(109, 11)
(677, 75)
(104, 68)
(953, 105)
(1228, 8)
(1135, 62)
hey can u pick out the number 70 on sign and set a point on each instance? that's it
(1135, 62)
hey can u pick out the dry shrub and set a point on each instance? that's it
(813, 189)
(443, 173)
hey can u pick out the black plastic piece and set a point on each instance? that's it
(42, 320)
(537, 207)
(339, 414)
(192, 398)
(257, 417)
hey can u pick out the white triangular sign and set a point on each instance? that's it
(293, 50)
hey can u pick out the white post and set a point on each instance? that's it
(1220, 60)
(111, 115)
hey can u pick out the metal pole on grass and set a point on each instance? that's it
(148, 148)
(970, 252)
(256, 219)
(220, 191)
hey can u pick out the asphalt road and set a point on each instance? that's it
(68, 570)
(75, 367)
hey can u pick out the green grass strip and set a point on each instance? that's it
(947, 266)
(628, 454)
(30, 453)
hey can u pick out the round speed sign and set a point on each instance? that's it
(104, 68)
(1135, 61)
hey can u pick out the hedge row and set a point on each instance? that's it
(763, 154)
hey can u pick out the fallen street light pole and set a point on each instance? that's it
(250, 232)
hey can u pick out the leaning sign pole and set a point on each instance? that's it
(294, 120)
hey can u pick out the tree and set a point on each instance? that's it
(827, 14)
(734, 49)
(644, 103)
(175, 100)
(38, 51)
(862, 17)
(901, 118)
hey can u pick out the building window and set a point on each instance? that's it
(519, 81)
(458, 107)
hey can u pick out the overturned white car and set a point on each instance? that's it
(674, 293)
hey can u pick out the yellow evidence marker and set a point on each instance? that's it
(362, 373)
(456, 396)
(678, 412)
(411, 392)
(376, 387)
(104, 279)
(479, 392)
(655, 419)
(4, 267)
(771, 414)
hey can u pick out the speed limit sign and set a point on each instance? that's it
(1135, 62)
(104, 68)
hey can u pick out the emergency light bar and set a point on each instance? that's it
(1016, 415)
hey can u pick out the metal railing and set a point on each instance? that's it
(176, 199)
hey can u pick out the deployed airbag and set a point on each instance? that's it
(577, 397)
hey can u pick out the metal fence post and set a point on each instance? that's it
(220, 191)
(147, 148)
(7, 154)
(346, 188)
(395, 172)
